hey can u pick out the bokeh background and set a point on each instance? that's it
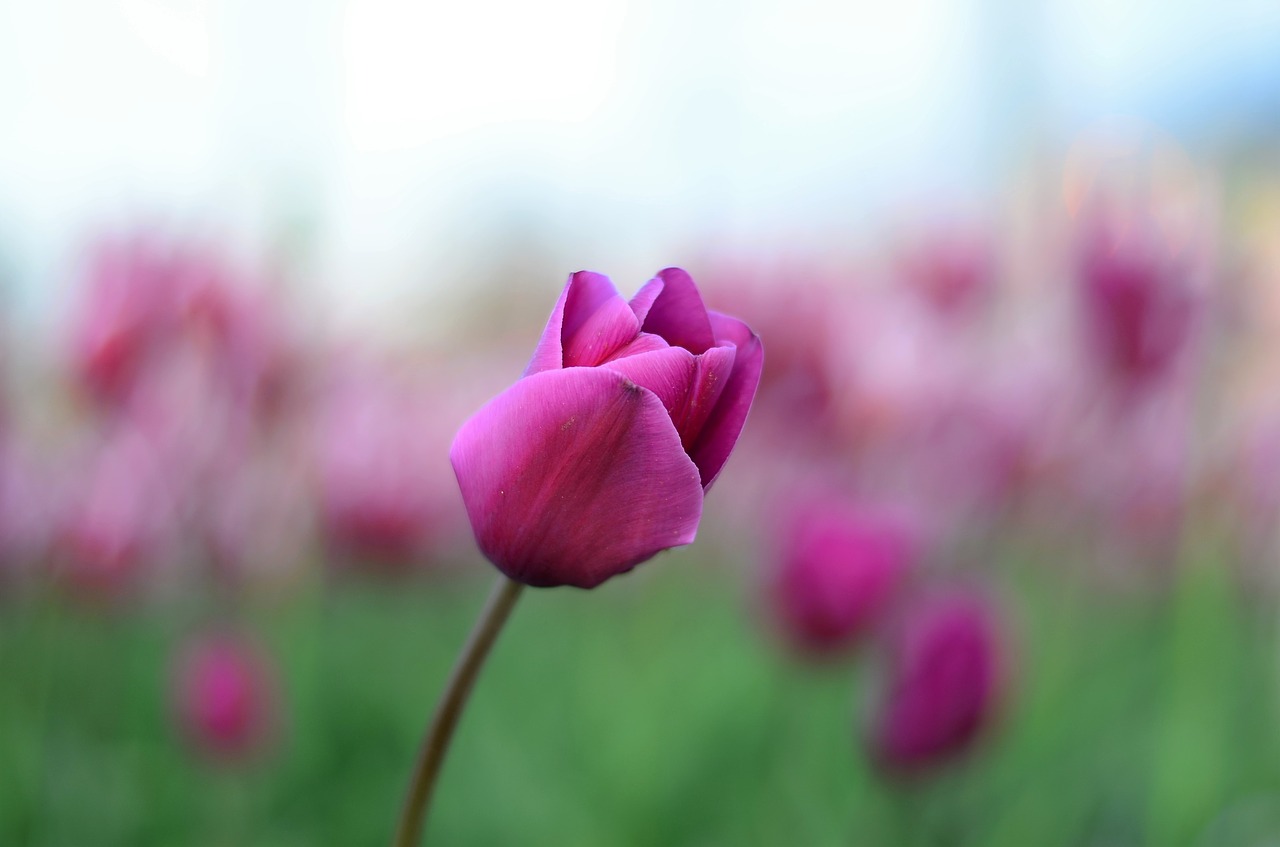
(996, 559)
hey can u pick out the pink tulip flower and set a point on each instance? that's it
(1138, 304)
(839, 571)
(126, 305)
(598, 459)
(380, 487)
(223, 697)
(944, 669)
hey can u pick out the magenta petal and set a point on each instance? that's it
(712, 373)
(643, 301)
(612, 326)
(643, 343)
(677, 313)
(724, 425)
(668, 373)
(573, 476)
(583, 294)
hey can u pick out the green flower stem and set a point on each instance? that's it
(449, 709)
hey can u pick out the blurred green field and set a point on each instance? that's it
(654, 711)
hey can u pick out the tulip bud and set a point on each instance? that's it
(1137, 301)
(599, 457)
(223, 699)
(943, 679)
(838, 573)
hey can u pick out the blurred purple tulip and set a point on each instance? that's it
(224, 697)
(385, 488)
(1138, 305)
(943, 681)
(126, 304)
(599, 457)
(838, 572)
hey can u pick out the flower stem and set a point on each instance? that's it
(449, 709)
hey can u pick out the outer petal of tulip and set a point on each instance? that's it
(721, 430)
(574, 476)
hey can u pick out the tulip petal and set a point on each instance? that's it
(573, 476)
(677, 313)
(668, 372)
(611, 326)
(712, 373)
(643, 343)
(643, 301)
(720, 432)
(583, 294)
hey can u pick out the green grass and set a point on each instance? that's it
(654, 711)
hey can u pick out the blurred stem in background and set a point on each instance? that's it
(449, 710)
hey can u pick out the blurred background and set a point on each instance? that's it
(996, 561)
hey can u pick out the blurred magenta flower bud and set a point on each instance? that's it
(381, 491)
(943, 680)
(838, 572)
(598, 458)
(224, 697)
(124, 306)
(1138, 302)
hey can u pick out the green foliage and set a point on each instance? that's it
(654, 711)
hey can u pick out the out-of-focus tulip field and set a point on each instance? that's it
(994, 561)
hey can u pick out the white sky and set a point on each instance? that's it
(401, 135)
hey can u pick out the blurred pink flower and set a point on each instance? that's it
(944, 674)
(149, 295)
(383, 478)
(952, 266)
(840, 567)
(117, 521)
(124, 307)
(1138, 305)
(224, 697)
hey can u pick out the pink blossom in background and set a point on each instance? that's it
(117, 520)
(943, 675)
(797, 304)
(224, 697)
(952, 267)
(1138, 305)
(598, 458)
(385, 486)
(241, 329)
(149, 295)
(123, 311)
(840, 566)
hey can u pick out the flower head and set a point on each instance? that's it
(598, 458)
(944, 674)
(223, 697)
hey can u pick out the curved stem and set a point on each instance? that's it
(449, 709)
